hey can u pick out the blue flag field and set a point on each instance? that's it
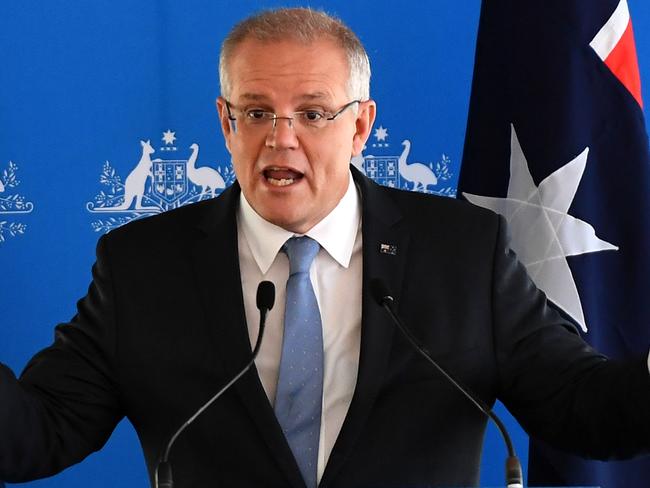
(556, 142)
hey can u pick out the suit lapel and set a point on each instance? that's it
(385, 247)
(219, 286)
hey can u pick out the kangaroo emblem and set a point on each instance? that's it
(135, 183)
(416, 173)
(205, 177)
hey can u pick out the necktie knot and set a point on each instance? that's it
(301, 252)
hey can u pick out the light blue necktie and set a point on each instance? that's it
(300, 381)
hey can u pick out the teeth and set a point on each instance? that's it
(282, 182)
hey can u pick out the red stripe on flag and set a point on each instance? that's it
(623, 63)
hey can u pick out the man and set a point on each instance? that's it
(294, 109)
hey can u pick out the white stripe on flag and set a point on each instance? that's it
(611, 33)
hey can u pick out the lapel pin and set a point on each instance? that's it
(388, 249)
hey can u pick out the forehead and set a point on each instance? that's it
(288, 69)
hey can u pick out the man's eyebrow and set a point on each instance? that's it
(253, 97)
(307, 97)
(322, 98)
(316, 96)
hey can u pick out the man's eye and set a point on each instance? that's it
(255, 114)
(312, 115)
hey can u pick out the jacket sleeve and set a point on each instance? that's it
(65, 404)
(556, 385)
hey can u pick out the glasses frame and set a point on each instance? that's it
(332, 116)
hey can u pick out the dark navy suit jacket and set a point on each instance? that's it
(163, 327)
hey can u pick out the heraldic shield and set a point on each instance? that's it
(170, 179)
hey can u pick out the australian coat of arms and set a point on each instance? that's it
(156, 185)
(396, 171)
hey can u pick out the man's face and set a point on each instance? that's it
(293, 176)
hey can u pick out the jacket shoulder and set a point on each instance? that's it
(174, 228)
(454, 215)
(167, 224)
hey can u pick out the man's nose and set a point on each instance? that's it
(282, 134)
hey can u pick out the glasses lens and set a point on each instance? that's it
(313, 119)
(257, 117)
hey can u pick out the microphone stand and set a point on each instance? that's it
(514, 477)
(265, 297)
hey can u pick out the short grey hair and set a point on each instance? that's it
(303, 25)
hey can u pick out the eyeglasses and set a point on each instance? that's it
(256, 119)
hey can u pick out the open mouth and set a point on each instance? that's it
(282, 176)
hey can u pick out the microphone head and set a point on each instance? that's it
(265, 295)
(380, 292)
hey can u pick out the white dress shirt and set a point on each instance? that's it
(336, 275)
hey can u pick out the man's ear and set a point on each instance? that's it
(365, 119)
(224, 121)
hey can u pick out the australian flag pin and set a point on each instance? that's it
(388, 249)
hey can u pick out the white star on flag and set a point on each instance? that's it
(169, 137)
(543, 233)
(381, 133)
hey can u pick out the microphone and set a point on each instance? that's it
(382, 295)
(265, 299)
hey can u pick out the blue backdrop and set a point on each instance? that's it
(82, 83)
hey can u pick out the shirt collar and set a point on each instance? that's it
(336, 233)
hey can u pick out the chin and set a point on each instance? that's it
(284, 219)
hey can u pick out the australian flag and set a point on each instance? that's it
(556, 142)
